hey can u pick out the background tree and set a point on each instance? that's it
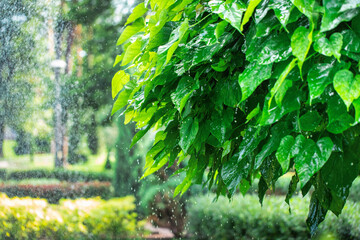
(246, 91)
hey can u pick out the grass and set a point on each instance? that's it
(11, 161)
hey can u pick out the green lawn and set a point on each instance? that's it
(11, 161)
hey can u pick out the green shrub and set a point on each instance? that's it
(94, 218)
(244, 218)
(54, 192)
(60, 174)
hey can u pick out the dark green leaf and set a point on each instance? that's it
(253, 75)
(310, 121)
(318, 79)
(239, 165)
(316, 214)
(283, 153)
(188, 130)
(339, 119)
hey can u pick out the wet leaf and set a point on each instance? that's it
(253, 75)
(231, 11)
(337, 11)
(318, 79)
(312, 156)
(189, 129)
(316, 214)
(330, 47)
(118, 81)
(131, 30)
(249, 11)
(283, 153)
(300, 43)
(238, 166)
(131, 52)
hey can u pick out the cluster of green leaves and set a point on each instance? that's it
(245, 90)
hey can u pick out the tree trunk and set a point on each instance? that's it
(2, 135)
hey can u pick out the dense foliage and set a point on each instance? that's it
(244, 90)
(244, 217)
(26, 218)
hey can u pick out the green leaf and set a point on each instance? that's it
(300, 43)
(356, 104)
(131, 52)
(182, 30)
(316, 215)
(318, 79)
(188, 130)
(342, 168)
(123, 97)
(283, 153)
(278, 131)
(253, 113)
(231, 11)
(238, 166)
(118, 81)
(253, 75)
(312, 157)
(337, 11)
(282, 9)
(249, 11)
(347, 86)
(131, 30)
(351, 41)
(330, 47)
(183, 91)
(273, 48)
(339, 119)
(274, 113)
(262, 188)
(220, 124)
(137, 12)
(281, 84)
(220, 29)
(292, 188)
(306, 7)
(310, 121)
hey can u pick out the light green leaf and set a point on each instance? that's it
(347, 86)
(188, 131)
(253, 113)
(123, 97)
(137, 12)
(182, 30)
(283, 153)
(306, 7)
(330, 47)
(131, 30)
(131, 52)
(253, 75)
(231, 11)
(118, 81)
(300, 43)
(220, 29)
(249, 11)
(282, 85)
(118, 59)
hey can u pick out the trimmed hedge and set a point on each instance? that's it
(54, 192)
(26, 218)
(60, 174)
(244, 218)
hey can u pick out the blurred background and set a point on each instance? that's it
(66, 170)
